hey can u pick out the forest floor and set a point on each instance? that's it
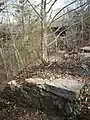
(9, 110)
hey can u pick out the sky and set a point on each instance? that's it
(58, 4)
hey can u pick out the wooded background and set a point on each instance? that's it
(32, 30)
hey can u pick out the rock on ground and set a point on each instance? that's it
(45, 94)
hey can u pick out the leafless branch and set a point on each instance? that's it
(61, 10)
(70, 11)
(65, 30)
(34, 8)
(51, 6)
(63, 15)
(50, 16)
(48, 2)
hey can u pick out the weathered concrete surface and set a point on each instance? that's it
(66, 88)
(45, 94)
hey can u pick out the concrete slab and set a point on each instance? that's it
(66, 88)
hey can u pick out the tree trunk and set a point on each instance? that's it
(43, 31)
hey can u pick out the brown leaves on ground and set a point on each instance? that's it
(11, 111)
